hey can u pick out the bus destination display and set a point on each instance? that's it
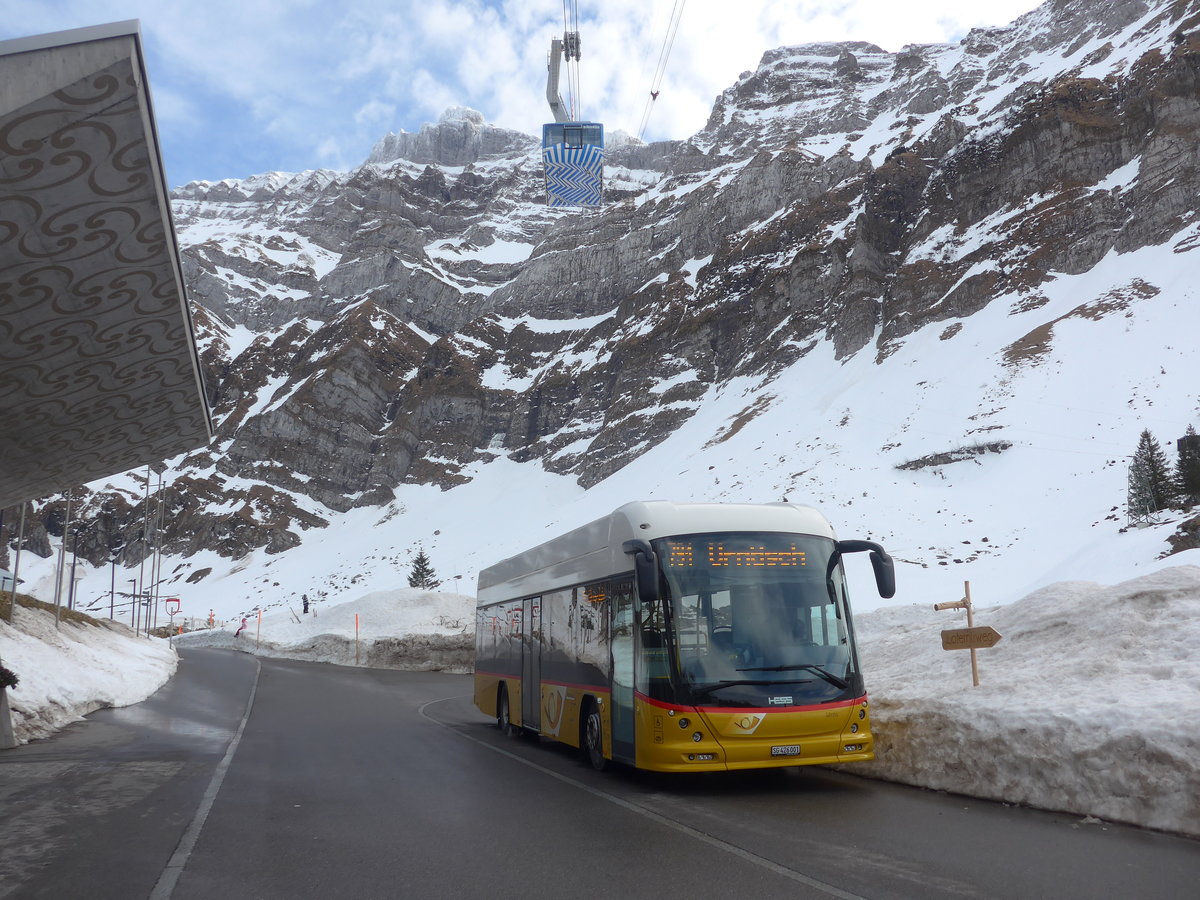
(721, 554)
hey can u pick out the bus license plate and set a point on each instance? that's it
(786, 750)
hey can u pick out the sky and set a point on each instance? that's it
(925, 713)
(242, 87)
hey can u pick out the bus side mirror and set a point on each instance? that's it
(885, 569)
(645, 568)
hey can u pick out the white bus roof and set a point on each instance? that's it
(595, 551)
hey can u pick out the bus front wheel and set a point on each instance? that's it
(593, 738)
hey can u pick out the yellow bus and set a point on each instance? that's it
(681, 638)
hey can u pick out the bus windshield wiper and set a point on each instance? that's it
(717, 685)
(828, 676)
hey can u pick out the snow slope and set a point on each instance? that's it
(1068, 385)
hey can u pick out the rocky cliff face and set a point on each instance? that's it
(460, 138)
(427, 311)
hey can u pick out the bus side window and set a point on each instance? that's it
(652, 665)
(650, 615)
(653, 662)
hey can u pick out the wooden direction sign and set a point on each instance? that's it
(979, 637)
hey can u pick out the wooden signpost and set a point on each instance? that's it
(970, 638)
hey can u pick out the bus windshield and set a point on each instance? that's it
(758, 619)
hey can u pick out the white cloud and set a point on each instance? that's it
(331, 153)
(374, 112)
(294, 72)
(173, 107)
(454, 26)
(432, 96)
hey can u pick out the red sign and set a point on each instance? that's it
(172, 605)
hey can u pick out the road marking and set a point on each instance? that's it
(174, 868)
(716, 842)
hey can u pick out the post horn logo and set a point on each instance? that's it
(554, 709)
(743, 724)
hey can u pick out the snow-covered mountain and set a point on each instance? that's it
(937, 294)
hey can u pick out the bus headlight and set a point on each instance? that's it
(697, 736)
(854, 728)
(684, 722)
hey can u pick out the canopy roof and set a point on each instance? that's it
(99, 371)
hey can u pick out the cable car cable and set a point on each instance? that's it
(663, 56)
(571, 51)
(578, 69)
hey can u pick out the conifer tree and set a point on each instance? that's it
(1151, 487)
(1187, 466)
(422, 574)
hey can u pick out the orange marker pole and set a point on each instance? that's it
(258, 633)
(356, 639)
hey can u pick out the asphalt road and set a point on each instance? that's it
(299, 780)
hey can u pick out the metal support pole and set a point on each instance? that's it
(62, 549)
(17, 564)
(156, 566)
(145, 544)
(74, 562)
(8, 739)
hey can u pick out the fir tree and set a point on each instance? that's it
(422, 574)
(1187, 466)
(1151, 487)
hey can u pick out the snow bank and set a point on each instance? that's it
(1090, 703)
(70, 671)
(398, 629)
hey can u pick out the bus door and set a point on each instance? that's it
(622, 632)
(531, 663)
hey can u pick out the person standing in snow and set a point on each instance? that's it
(241, 627)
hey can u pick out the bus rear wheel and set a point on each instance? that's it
(503, 717)
(593, 738)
